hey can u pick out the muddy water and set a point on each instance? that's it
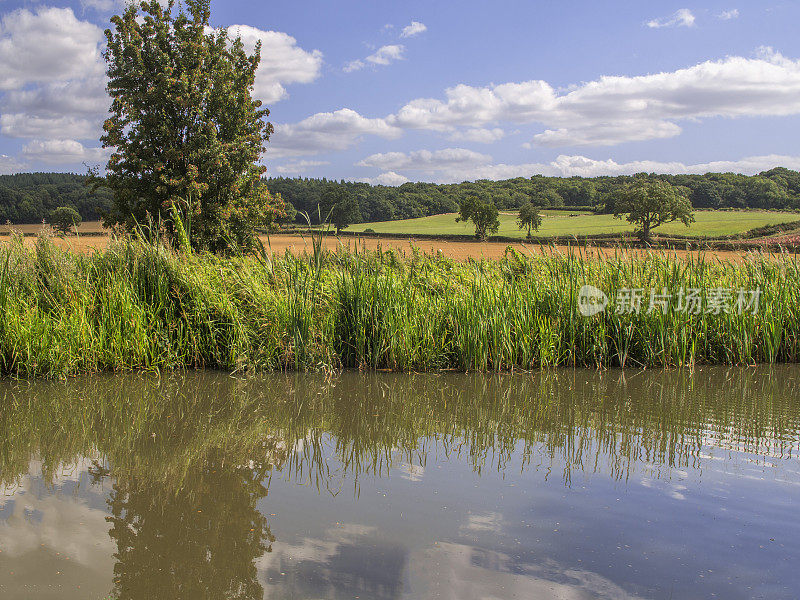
(570, 484)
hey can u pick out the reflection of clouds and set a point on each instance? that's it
(346, 560)
(62, 523)
(673, 490)
(319, 550)
(411, 472)
(459, 572)
(490, 521)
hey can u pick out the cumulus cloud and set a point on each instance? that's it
(617, 109)
(681, 18)
(479, 135)
(63, 152)
(383, 56)
(414, 28)
(47, 45)
(576, 165)
(282, 61)
(425, 160)
(23, 125)
(727, 15)
(326, 132)
(389, 178)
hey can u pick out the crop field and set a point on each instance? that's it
(564, 223)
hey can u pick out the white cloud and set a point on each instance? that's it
(682, 18)
(383, 56)
(298, 167)
(389, 178)
(479, 135)
(86, 97)
(617, 109)
(22, 125)
(414, 28)
(387, 54)
(569, 166)
(282, 61)
(63, 152)
(425, 160)
(9, 165)
(727, 15)
(48, 45)
(326, 132)
(354, 65)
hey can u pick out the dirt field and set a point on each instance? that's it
(278, 244)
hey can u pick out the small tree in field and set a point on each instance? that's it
(529, 218)
(483, 214)
(64, 219)
(185, 132)
(649, 204)
(341, 205)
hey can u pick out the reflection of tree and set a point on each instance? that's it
(200, 541)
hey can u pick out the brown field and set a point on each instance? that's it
(280, 243)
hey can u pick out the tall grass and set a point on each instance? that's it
(142, 306)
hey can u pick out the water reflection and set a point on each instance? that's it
(184, 471)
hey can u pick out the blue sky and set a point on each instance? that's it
(449, 91)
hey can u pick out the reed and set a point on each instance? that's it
(138, 306)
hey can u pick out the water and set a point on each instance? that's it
(558, 485)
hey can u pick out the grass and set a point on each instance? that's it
(136, 306)
(564, 223)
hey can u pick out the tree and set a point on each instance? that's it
(64, 219)
(529, 217)
(184, 129)
(340, 206)
(649, 204)
(479, 209)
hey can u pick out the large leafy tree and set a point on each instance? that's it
(483, 213)
(64, 219)
(338, 204)
(185, 130)
(649, 204)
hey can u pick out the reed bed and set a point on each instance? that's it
(137, 306)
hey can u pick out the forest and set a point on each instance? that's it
(778, 188)
(31, 197)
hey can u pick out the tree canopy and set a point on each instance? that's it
(64, 219)
(529, 218)
(648, 204)
(482, 212)
(185, 130)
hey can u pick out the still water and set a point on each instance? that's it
(569, 484)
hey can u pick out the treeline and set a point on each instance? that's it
(32, 197)
(778, 188)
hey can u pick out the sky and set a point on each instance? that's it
(448, 91)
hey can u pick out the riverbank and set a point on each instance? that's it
(138, 307)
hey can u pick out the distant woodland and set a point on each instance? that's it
(31, 197)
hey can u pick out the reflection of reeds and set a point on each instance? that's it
(170, 431)
(138, 306)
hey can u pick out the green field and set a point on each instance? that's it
(562, 223)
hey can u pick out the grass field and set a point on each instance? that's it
(560, 223)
